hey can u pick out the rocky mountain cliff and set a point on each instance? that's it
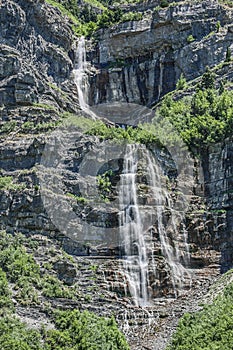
(134, 63)
(147, 57)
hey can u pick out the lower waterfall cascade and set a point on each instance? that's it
(136, 221)
(136, 261)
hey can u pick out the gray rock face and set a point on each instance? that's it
(35, 45)
(219, 189)
(66, 271)
(141, 61)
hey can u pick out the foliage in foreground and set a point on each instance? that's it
(209, 329)
(85, 331)
(74, 330)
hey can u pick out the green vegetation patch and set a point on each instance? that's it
(8, 127)
(78, 199)
(74, 330)
(104, 184)
(209, 329)
(93, 15)
(14, 335)
(7, 183)
(202, 119)
(140, 134)
(5, 293)
(22, 270)
(85, 331)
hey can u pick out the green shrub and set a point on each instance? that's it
(85, 331)
(52, 287)
(129, 134)
(27, 126)
(208, 79)
(203, 119)
(5, 293)
(78, 199)
(17, 263)
(7, 183)
(164, 3)
(131, 16)
(181, 83)
(190, 39)
(8, 127)
(14, 335)
(27, 294)
(104, 184)
(211, 328)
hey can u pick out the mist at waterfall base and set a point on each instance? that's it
(141, 225)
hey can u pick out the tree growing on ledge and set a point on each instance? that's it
(228, 55)
(208, 79)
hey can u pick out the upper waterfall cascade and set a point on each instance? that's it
(81, 78)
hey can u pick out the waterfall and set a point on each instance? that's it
(169, 245)
(138, 265)
(135, 229)
(135, 263)
(81, 78)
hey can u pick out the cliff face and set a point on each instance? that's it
(136, 62)
(36, 45)
(219, 194)
(35, 89)
(141, 61)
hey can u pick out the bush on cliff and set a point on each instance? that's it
(201, 120)
(209, 329)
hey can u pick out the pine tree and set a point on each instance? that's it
(208, 79)
(181, 83)
(228, 55)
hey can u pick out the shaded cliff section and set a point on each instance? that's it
(219, 193)
(141, 61)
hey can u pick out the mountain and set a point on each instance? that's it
(116, 169)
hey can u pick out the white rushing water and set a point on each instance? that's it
(178, 238)
(131, 230)
(81, 78)
(137, 265)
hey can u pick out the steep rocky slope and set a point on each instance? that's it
(136, 62)
(147, 57)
